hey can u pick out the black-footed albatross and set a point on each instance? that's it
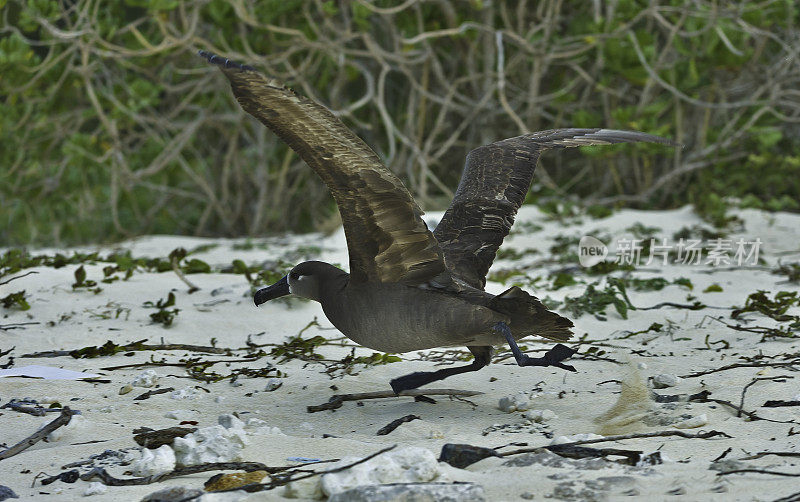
(410, 288)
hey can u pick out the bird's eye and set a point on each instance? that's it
(294, 276)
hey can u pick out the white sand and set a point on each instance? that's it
(72, 319)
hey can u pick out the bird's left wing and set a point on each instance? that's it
(387, 238)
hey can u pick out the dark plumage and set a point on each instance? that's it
(410, 289)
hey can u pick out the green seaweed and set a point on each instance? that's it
(16, 300)
(594, 301)
(775, 308)
(163, 315)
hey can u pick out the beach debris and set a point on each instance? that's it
(261, 427)
(233, 480)
(147, 378)
(7, 493)
(410, 464)
(173, 494)
(156, 461)
(273, 384)
(398, 492)
(517, 402)
(63, 418)
(230, 421)
(182, 415)
(664, 380)
(77, 422)
(539, 416)
(694, 422)
(125, 389)
(29, 406)
(394, 424)
(631, 407)
(575, 438)
(149, 438)
(308, 488)
(184, 393)
(95, 488)
(210, 444)
(148, 394)
(463, 455)
(45, 372)
(777, 403)
(15, 300)
(163, 315)
(337, 400)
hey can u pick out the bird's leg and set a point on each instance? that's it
(552, 357)
(483, 355)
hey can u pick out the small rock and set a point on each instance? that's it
(125, 389)
(147, 378)
(95, 488)
(209, 444)
(691, 423)
(550, 459)
(230, 422)
(309, 488)
(726, 465)
(76, 422)
(7, 493)
(173, 494)
(510, 404)
(181, 415)
(273, 384)
(539, 416)
(185, 393)
(402, 492)
(154, 462)
(258, 426)
(463, 455)
(665, 380)
(411, 464)
(641, 366)
(155, 439)
(233, 480)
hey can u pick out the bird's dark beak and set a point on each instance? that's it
(280, 288)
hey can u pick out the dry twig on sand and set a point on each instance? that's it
(62, 419)
(337, 400)
(620, 437)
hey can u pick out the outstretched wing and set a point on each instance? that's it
(493, 186)
(386, 237)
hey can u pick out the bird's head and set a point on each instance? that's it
(308, 279)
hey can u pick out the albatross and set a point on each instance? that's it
(409, 288)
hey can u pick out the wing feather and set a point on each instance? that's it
(387, 239)
(493, 186)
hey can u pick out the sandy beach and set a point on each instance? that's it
(695, 354)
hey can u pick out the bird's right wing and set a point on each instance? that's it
(493, 186)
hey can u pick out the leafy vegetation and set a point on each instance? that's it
(594, 301)
(15, 300)
(82, 283)
(111, 127)
(163, 315)
(772, 307)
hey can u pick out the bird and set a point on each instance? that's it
(410, 288)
